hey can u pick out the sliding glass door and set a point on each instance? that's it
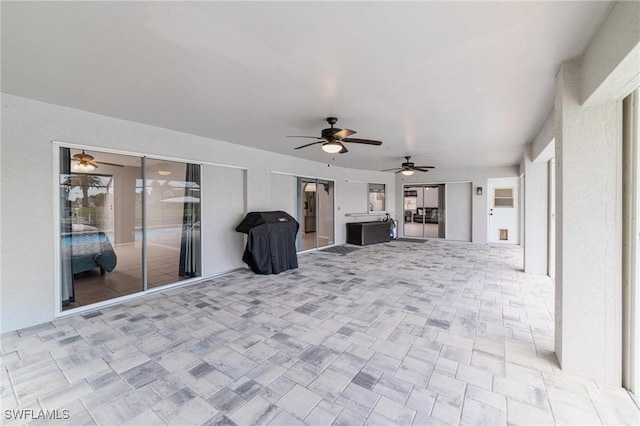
(101, 252)
(315, 213)
(172, 221)
(127, 223)
(424, 211)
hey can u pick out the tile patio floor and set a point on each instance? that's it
(397, 333)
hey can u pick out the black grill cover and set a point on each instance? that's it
(271, 246)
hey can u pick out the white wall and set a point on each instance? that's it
(610, 67)
(283, 193)
(586, 124)
(27, 229)
(458, 202)
(589, 227)
(223, 207)
(477, 177)
(536, 231)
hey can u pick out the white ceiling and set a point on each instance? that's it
(454, 84)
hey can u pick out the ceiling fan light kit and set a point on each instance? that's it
(333, 139)
(332, 147)
(86, 163)
(408, 167)
(83, 167)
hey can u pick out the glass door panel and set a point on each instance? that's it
(307, 214)
(172, 201)
(101, 252)
(424, 211)
(315, 209)
(325, 219)
(430, 211)
(413, 198)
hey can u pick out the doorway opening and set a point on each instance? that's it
(424, 211)
(315, 213)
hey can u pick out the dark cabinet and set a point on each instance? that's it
(364, 233)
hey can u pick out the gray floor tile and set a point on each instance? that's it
(432, 333)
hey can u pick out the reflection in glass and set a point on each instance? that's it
(325, 213)
(101, 258)
(411, 205)
(424, 211)
(307, 214)
(315, 213)
(173, 221)
(376, 197)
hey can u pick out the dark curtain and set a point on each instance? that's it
(441, 212)
(190, 242)
(66, 246)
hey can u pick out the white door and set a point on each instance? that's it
(503, 210)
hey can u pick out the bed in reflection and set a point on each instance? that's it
(83, 249)
(89, 249)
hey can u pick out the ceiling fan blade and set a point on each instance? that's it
(344, 149)
(423, 167)
(420, 170)
(390, 170)
(344, 133)
(308, 137)
(362, 141)
(109, 164)
(309, 144)
(399, 171)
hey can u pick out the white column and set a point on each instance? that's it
(535, 215)
(588, 241)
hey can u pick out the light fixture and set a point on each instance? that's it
(310, 187)
(332, 147)
(164, 172)
(82, 167)
(479, 190)
(407, 172)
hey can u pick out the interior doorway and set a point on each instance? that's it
(315, 213)
(424, 211)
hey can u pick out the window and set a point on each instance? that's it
(376, 197)
(503, 197)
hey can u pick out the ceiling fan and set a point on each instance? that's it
(333, 139)
(87, 163)
(408, 167)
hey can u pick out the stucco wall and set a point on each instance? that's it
(588, 241)
(477, 177)
(28, 188)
